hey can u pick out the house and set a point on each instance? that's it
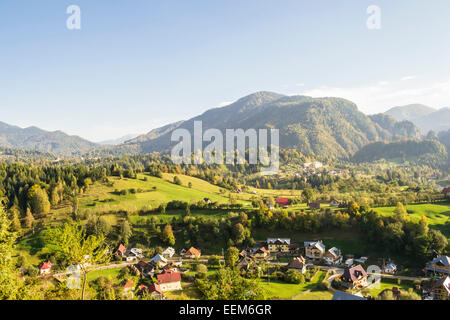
(361, 260)
(334, 203)
(169, 280)
(441, 289)
(278, 244)
(120, 251)
(354, 277)
(261, 253)
(294, 248)
(154, 290)
(145, 268)
(298, 263)
(341, 295)
(314, 250)
(137, 253)
(182, 252)
(169, 252)
(349, 262)
(390, 268)
(282, 202)
(333, 256)
(192, 253)
(314, 205)
(128, 288)
(439, 265)
(45, 267)
(159, 260)
(246, 263)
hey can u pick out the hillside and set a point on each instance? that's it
(35, 139)
(426, 118)
(323, 127)
(430, 152)
(409, 112)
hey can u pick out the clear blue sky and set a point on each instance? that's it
(136, 65)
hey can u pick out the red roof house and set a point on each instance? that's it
(192, 253)
(282, 201)
(169, 280)
(168, 276)
(121, 250)
(446, 191)
(45, 267)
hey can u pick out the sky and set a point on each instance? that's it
(137, 65)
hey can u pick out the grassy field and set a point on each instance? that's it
(286, 291)
(189, 292)
(112, 274)
(437, 214)
(154, 191)
(316, 295)
(389, 284)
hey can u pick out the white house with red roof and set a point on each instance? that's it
(169, 280)
(45, 267)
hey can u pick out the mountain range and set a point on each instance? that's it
(319, 127)
(324, 127)
(35, 139)
(426, 118)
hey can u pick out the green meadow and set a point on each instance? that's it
(437, 214)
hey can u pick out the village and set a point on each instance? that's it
(347, 277)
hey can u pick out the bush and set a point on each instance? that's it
(293, 276)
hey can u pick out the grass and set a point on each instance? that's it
(286, 291)
(112, 274)
(316, 295)
(437, 214)
(101, 196)
(188, 293)
(389, 284)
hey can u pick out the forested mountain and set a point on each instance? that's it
(33, 138)
(410, 111)
(425, 152)
(426, 118)
(324, 127)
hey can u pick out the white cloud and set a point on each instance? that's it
(300, 84)
(408, 78)
(383, 95)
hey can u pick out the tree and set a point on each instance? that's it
(293, 276)
(167, 235)
(15, 221)
(400, 212)
(177, 180)
(29, 219)
(39, 202)
(239, 233)
(231, 257)
(308, 194)
(9, 283)
(125, 231)
(227, 284)
(71, 243)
